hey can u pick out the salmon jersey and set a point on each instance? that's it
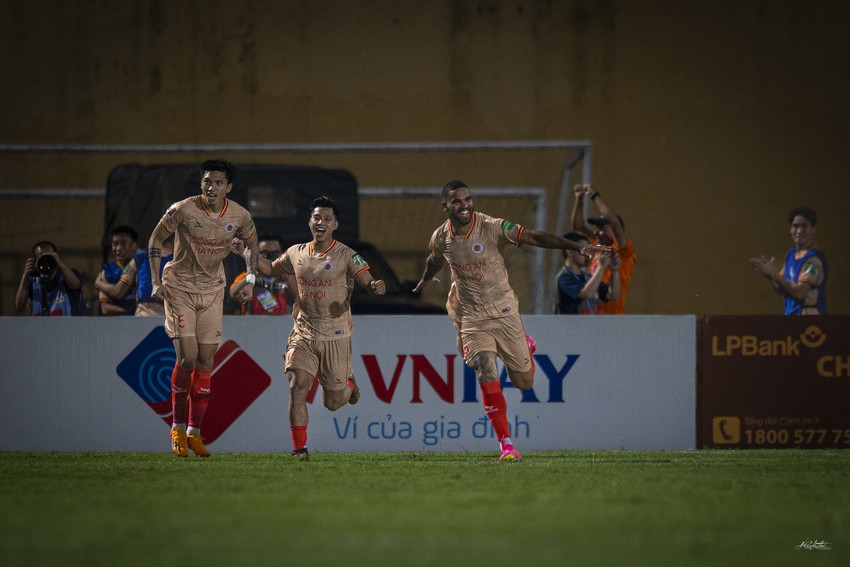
(325, 282)
(202, 240)
(478, 267)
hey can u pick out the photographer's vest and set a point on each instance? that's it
(58, 299)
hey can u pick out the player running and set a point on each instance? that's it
(322, 273)
(482, 303)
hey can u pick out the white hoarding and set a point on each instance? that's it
(100, 384)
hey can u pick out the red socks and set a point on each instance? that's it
(200, 397)
(299, 436)
(181, 381)
(496, 408)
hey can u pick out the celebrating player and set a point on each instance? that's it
(482, 303)
(192, 288)
(323, 272)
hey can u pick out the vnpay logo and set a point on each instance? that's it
(236, 380)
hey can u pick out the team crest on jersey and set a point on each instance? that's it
(477, 248)
(229, 228)
(328, 266)
(358, 259)
(507, 225)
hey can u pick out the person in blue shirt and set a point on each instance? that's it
(580, 293)
(124, 242)
(802, 279)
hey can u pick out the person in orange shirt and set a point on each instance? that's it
(610, 231)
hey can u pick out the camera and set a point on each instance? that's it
(45, 265)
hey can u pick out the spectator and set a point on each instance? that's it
(802, 280)
(117, 289)
(578, 291)
(270, 295)
(48, 287)
(610, 231)
(146, 305)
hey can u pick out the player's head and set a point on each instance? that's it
(574, 256)
(326, 203)
(802, 221)
(124, 241)
(457, 202)
(228, 168)
(270, 246)
(324, 218)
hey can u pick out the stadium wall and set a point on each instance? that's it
(102, 384)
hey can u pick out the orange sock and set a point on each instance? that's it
(496, 408)
(199, 397)
(299, 436)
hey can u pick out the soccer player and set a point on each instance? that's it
(802, 280)
(192, 288)
(482, 304)
(322, 273)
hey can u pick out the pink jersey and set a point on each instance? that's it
(478, 267)
(201, 242)
(325, 283)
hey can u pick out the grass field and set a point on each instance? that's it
(554, 508)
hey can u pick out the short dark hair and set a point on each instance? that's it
(451, 186)
(805, 212)
(227, 167)
(325, 203)
(124, 229)
(268, 236)
(574, 237)
(44, 244)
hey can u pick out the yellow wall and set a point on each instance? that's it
(710, 120)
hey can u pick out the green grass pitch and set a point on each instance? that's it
(429, 509)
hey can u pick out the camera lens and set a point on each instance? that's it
(45, 265)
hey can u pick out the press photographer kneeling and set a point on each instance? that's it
(48, 287)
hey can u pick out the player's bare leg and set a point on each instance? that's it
(335, 399)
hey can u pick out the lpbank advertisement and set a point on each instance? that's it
(101, 383)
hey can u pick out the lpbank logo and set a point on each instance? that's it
(236, 380)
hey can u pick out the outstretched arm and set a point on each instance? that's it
(543, 239)
(433, 264)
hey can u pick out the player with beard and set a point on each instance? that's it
(192, 288)
(483, 305)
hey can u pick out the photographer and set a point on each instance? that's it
(48, 287)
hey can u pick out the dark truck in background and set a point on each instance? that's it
(278, 198)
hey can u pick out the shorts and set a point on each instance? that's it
(150, 309)
(330, 361)
(505, 336)
(195, 315)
